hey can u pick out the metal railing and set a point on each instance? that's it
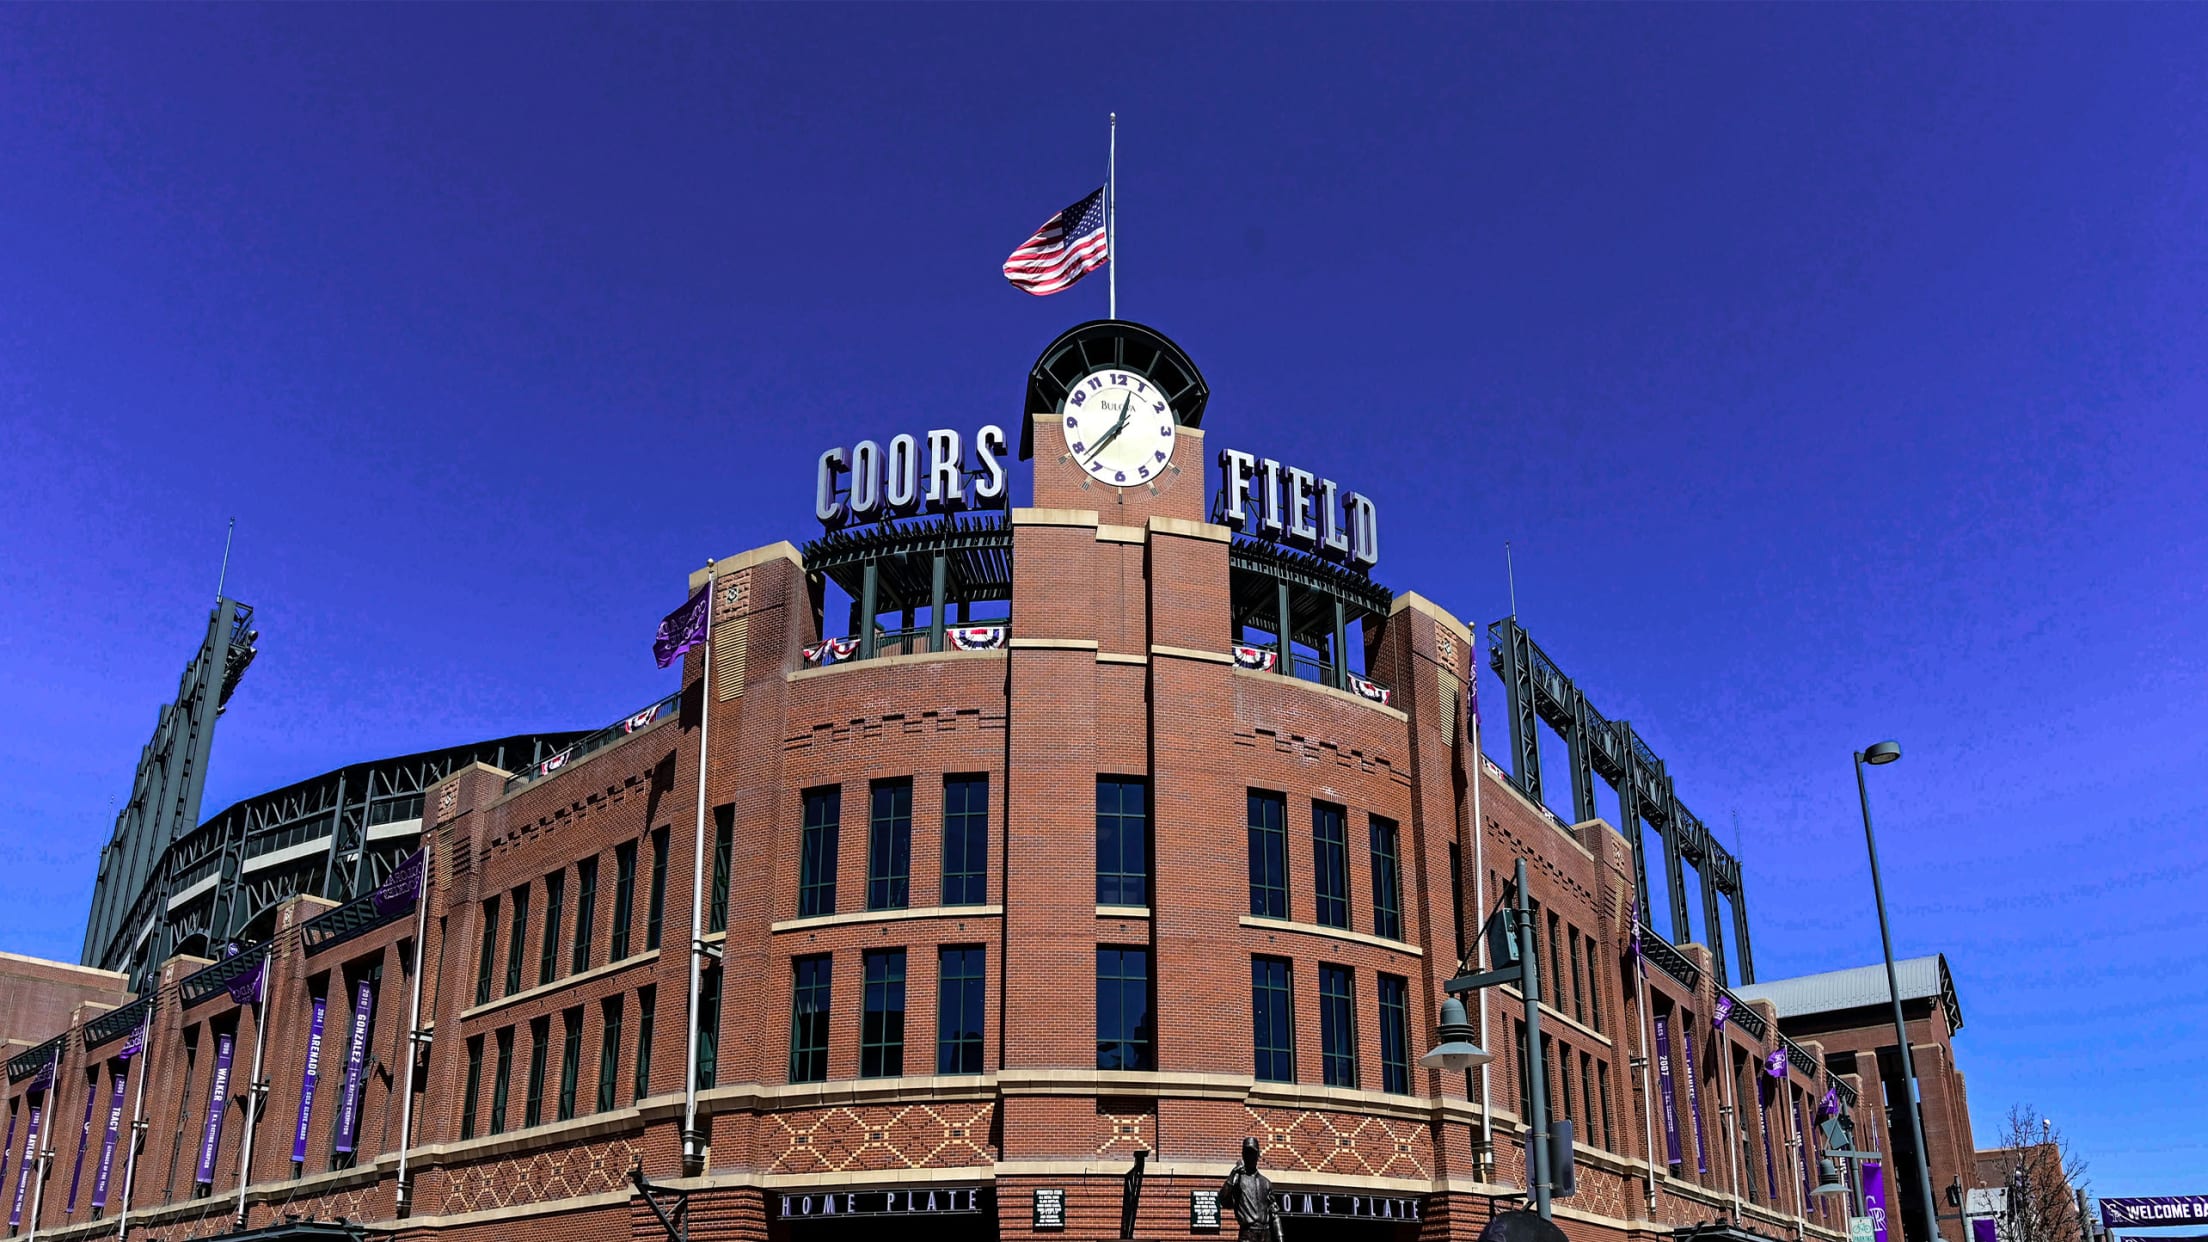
(595, 741)
(1669, 959)
(914, 641)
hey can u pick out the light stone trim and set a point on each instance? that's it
(918, 1088)
(1054, 644)
(565, 981)
(895, 661)
(1441, 615)
(1190, 653)
(580, 1203)
(1315, 688)
(1334, 933)
(1056, 517)
(1123, 912)
(780, 550)
(1191, 530)
(817, 921)
(1120, 657)
(1108, 533)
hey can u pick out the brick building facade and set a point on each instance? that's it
(979, 926)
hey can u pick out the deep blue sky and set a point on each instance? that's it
(1836, 372)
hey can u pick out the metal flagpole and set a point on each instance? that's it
(693, 1146)
(1648, 1092)
(1731, 1115)
(1111, 220)
(45, 1153)
(253, 1089)
(224, 576)
(137, 1126)
(1479, 905)
(414, 1037)
(1794, 1141)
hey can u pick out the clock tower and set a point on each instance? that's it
(1114, 423)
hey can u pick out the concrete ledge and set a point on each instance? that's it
(1123, 912)
(565, 981)
(781, 550)
(1335, 933)
(1107, 533)
(1315, 688)
(885, 916)
(1120, 657)
(1054, 644)
(1055, 517)
(1190, 653)
(1413, 601)
(895, 661)
(1191, 530)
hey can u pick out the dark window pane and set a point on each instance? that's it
(571, 1061)
(889, 846)
(882, 1018)
(965, 840)
(1268, 855)
(1330, 863)
(724, 847)
(816, 862)
(586, 913)
(709, 1026)
(658, 901)
(1395, 1039)
(473, 1089)
(486, 963)
(809, 1000)
(1272, 1016)
(1387, 881)
(609, 1051)
(646, 1004)
(958, 1010)
(501, 1076)
(1122, 841)
(1337, 1027)
(624, 898)
(540, 1039)
(1125, 1038)
(555, 906)
(516, 940)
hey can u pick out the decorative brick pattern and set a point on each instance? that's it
(915, 1136)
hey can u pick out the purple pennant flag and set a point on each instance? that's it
(218, 1107)
(133, 1043)
(1664, 1085)
(1694, 1098)
(1830, 1106)
(23, 1175)
(1874, 1197)
(44, 1078)
(403, 889)
(1775, 1064)
(107, 1146)
(1724, 1011)
(246, 988)
(683, 628)
(84, 1143)
(308, 1079)
(356, 1055)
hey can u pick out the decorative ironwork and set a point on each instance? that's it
(1746, 1018)
(116, 1023)
(355, 918)
(25, 1064)
(977, 554)
(1539, 693)
(591, 743)
(1847, 1093)
(1669, 960)
(208, 980)
(1118, 343)
(1802, 1061)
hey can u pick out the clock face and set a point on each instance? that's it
(1119, 428)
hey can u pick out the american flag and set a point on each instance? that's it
(1069, 246)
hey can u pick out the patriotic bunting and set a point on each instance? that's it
(978, 637)
(833, 648)
(1369, 689)
(1260, 658)
(642, 718)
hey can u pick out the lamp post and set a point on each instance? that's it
(1879, 754)
(1513, 944)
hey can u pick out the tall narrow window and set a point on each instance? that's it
(586, 913)
(809, 1000)
(1337, 1026)
(1125, 1037)
(724, 854)
(709, 1026)
(646, 1007)
(1579, 982)
(555, 905)
(540, 1040)
(958, 1003)
(1395, 1035)
(502, 1076)
(517, 938)
(473, 1089)
(609, 1050)
(1122, 841)
(624, 898)
(1594, 988)
(657, 903)
(1602, 1086)
(1268, 855)
(571, 1060)
(1557, 996)
(488, 961)
(1330, 863)
(1387, 881)
(882, 1020)
(965, 840)
(1273, 1018)
(816, 859)
(1587, 1106)
(889, 846)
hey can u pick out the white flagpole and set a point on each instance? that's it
(45, 1152)
(1648, 1092)
(415, 1039)
(1479, 906)
(137, 1124)
(1111, 220)
(693, 1146)
(253, 1083)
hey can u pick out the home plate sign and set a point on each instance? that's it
(2155, 1210)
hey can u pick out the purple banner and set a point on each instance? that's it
(1808, 1150)
(356, 1054)
(218, 1107)
(246, 988)
(403, 888)
(1724, 1011)
(2155, 1210)
(133, 1043)
(44, 1078)
(1874, 1197)
(107, 1146)
(1694, 1098)
(84, 1143)
(1985, 1230)
(1775, 1064)
(23, 1176)
(683, 628)
(308, 1077)
(1770, 1165)
(7, 1149)
(1663, 1079)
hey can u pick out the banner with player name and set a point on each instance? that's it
(309, 1078)
(218, 1102)
(356, 1057)
(106, 1167)
(1664, 1089)
(84, 1144)
(30, 1157)
(1694, 1101)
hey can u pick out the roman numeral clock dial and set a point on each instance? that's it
(1119, 430)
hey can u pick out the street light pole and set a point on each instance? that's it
(1537, 1065)
(1878, 754)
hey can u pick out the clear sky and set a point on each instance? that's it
(1836, 373)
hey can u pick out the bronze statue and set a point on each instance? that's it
(1249, 1195)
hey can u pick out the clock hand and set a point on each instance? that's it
(1117, 427)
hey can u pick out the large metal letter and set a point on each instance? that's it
(901, 486)
(1364, 530)
(946, 483)
(989, 443)
(866, 480)
(826, 506)
(1331, 537)
(1235, 469)
(1300, 528)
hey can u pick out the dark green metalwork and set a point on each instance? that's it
(1121, 344)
